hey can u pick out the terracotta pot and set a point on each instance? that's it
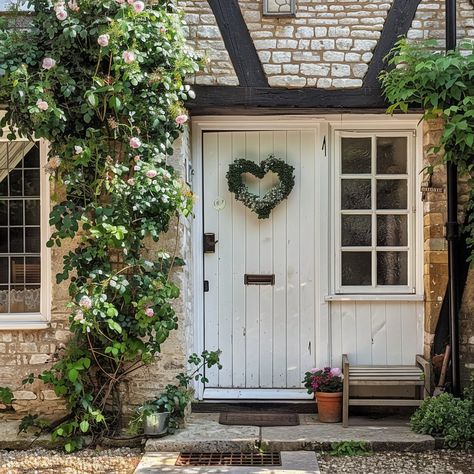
(329, 407)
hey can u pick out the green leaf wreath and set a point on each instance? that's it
(261, 205)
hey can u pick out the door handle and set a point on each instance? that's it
(210, 243)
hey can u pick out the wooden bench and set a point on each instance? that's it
(417, 375)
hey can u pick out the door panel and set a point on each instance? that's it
(267, 334)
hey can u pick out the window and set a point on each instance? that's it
(279, 7)
(375, 213)
(23, 225)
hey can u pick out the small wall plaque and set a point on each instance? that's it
(279, 7)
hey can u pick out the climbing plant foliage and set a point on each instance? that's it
(102, 81)
(442, 84)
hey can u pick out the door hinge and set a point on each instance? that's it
(324, 147)
(206, 286)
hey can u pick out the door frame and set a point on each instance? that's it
(327, 124)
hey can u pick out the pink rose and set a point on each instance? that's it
(138, 6)
(79, 316)
(131, 181)
(313, 371)
(61, 14)
(149, 312)
(136, 168)
(103, 40)
(151, 173)
(136, 158)
(48, 63)
(130, 2)
(336, 372)
(42, 104)
(73, 5)
(128, 56)
(181, 119)
(135, 142)
(85, 302)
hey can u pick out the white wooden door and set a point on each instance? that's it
(267, 334)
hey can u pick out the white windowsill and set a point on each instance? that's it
(373, 297)
(14, 322)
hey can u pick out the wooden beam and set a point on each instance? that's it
(397, 23)
(238, 43)
(223, 97)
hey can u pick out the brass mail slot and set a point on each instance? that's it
(259, 279)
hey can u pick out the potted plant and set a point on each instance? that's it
(166, 412)
(326, 384)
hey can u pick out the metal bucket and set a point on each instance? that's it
(156, 423)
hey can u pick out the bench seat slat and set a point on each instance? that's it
(384, 401)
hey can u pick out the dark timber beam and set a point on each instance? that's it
(397, 23)
(238, 43)
(220, 97)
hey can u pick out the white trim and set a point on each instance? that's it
(374, 297)
(256, 394)
(12, 321)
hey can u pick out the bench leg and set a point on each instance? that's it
(345, 392)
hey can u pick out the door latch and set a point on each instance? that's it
(210, 243)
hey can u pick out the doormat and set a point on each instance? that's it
(259, 419)
(228, 459)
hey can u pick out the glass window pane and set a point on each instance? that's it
(356, 155)
(3, 270)
(356, 230)
(32, 183)
(3, 240)
(4, 299)
(32, 240)
(17, 299)
(356, 268)
(392, 268)
(356, 194)
(391, 155)
(32, 212)
(31, 159)
(17, 270)
(392, 231)
(16, 240)
(16, 212)
(32, 270)
(392, 194)
(3, 184)
(32, 299)
(3, 213)
(16, 183)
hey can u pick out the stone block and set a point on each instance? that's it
(314, 69)
(333, 56)
(340, 70)
(359, 70)
(347, 83)
(24, 395)
(304, 32)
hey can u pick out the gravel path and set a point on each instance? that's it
(42, 461)
(431, 462)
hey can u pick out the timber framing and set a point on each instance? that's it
(253, 95)
(239, 43)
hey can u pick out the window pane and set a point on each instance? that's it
(16, 212)
(392, 268)
(32, 299)
(392, 194)
(3, 213)
(392, 231)
(356, 155)
(31, 159)
(3, 299)
(356, 268)
(3, 240)
(3, 184)
(17, 270)
(356, 230)
(32, 240)
(32, 212)
(16, 240)
(3, 270)
(32, 270)
(356, 194)
(17, 299)
(16, 183)
(32, 183)
(391, 155)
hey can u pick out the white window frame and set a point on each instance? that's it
(40, 320)
(411, 287)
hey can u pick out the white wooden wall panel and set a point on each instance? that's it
(376, 332)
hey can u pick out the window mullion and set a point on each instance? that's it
(374, 208)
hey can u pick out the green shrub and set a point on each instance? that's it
(447, 417)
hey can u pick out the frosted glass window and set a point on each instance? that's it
(375, 224)
(279, 7)
(20, 236)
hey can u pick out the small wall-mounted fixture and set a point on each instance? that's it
(279, 7)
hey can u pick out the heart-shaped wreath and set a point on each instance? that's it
(263, 205)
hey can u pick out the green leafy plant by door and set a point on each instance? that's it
(442, 84)
(103, 81)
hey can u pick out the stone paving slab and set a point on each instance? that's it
(204, 433)
(298, 462)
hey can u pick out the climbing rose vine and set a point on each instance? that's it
(102, 81)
